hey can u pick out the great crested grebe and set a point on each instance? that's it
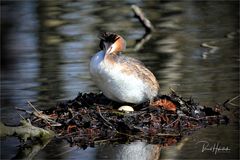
(121, 78)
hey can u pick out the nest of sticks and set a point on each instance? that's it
(91, 119)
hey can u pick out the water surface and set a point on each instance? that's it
(47, 45)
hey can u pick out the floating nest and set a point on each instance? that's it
(91, 119)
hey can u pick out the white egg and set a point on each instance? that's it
(126, 108)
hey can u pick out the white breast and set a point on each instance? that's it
(114, 84)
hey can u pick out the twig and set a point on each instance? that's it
(172, 122)
(40, 115)
(173, 91)
(212, 49)
(225, 105)
(24, 110)
(233, 99)
(233, 104)
(144, 21)
(107, 123)
(62, 153)
(146, 24)
(229, 101)
(46, 118)
(30, 104)
(146, 37)
(129, 135)
(232, 35)
(188, 117)
(21, 116)
(75, 134)
(168, 134)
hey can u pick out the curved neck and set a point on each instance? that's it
(118, 46)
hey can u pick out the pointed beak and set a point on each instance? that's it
(108, 47)
(109, 50)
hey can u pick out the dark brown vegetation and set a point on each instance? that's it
(91, 119)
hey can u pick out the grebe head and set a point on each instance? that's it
(111, 42)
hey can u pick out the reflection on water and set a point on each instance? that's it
(136, 150)
(46, 47)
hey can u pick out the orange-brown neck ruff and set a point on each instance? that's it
(119, 45)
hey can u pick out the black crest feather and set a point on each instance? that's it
(107, 37)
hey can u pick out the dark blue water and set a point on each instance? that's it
(46, 47)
